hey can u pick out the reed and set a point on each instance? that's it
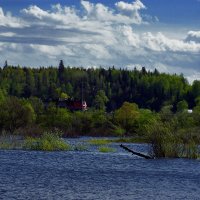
(99, 141)
(47, 142)
(106, 149)
(80, 147)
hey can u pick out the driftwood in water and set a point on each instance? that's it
(135, 153)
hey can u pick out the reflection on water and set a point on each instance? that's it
(93, 175)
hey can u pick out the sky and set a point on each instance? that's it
(162, 34)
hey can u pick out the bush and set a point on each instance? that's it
(47, 142)
(167, 141)
(30, 131)
(15, 114)
(126, 117)
(163, 140)
(119, 132)
(190, 139)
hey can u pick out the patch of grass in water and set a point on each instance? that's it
(80, 147)
(106, 149)
(99, 141)
(10, 142)
(47, 142)
(5, 145)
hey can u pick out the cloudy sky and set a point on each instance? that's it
(154, 33)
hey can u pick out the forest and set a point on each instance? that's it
(149, 106)
(150, 90)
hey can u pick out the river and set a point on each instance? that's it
(91, 175)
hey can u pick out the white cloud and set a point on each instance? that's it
(36, 12)
(160, 42)
(194, 76)
(53, 51)
(133, 10)
(89, 7)
(103, 13)
(131, 38)
(7, 34)
(7, 20)
(193, 36)
(58, 14)
(135, 6)
(97, 51)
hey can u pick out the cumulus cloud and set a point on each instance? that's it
(8, 21)
(135, 6)
(58, 14)
(160, 42)
(53, 51)
(97, 11)
(92, 36)
(132, 10)
(103, 13)
(193, 36)
(131, 38)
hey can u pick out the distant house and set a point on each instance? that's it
(189, 111)
(73, 105)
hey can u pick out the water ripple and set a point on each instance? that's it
(33, 175)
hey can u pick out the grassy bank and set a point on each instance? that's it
(163, 143)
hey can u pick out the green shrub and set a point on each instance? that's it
(47, 142)
(168, 142)
(119, 132)
(106, 149)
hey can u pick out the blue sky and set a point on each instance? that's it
(173, 11)
(152, 33)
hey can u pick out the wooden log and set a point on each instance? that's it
(135, 153)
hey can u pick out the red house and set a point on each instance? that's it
(73, 105)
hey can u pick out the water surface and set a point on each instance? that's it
(93, 175)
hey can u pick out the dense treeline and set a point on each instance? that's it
(111, 87)
(151, 106)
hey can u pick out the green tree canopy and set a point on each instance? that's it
(100, 100)
(2, 95)
(197, 101)
(126, 116)
(182, 106)
(15, 114)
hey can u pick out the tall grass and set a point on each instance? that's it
(80, 147)
(99, 141)
(47, 142)
(106, 149)
(166, 142)
(10, 142)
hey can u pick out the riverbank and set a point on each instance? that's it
(52, 142)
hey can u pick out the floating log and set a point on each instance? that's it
(135, 153)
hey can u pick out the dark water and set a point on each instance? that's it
(93, 175)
